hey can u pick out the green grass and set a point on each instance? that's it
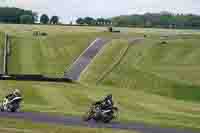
(151, 82)
(49, 55)
(105, 61)
(21, 126)
(175, 52)
(27, 30)
(134, 105)
(165, 32)
(178, 60)
(52, 54)
(135, 70)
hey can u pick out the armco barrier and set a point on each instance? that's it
(34, 78)
(23, 77)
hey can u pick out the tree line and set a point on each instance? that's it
(21, 16)
(92, 21)
(160, 20)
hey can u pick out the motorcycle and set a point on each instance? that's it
(11, 105)
(99, 115)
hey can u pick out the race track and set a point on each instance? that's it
(77, 121)
(74, 72)
(84, 59)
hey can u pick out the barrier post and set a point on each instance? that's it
(5, 63)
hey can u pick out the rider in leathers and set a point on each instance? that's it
(106, 103)
(12, 95)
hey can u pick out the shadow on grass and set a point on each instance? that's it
(185, 92)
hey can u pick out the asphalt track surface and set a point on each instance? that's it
(77, 121)
(84, 59)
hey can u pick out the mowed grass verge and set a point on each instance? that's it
(179, 59)
(23, 126)
(50, 55)
(27, 30)
(134, 105)
(135, 71)
(137, 68)
(105, 61)
(142, 89)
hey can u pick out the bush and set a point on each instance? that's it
(110, 29)
(38, 33)
(43, 34)
(163, 42)
(26, 19)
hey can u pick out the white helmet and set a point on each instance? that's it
(17, 92)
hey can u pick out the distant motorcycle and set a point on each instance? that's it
(11, 105)
(99, 115)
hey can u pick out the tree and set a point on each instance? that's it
(108, 22)
(89, 20)
(54, 20)
(13, 15)
(161, 20)
(80, 21)
(35, 16)
(100, 21)
(26, 19)
(103, 21)
(44, 19)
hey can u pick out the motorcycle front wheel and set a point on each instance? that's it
(87, 116)
(1, 108)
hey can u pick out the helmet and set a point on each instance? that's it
(108, 97)
(17, 92)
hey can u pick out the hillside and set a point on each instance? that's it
(105, 60)
(151, 82)
(164, 69)
(48, 55)
(135, 105)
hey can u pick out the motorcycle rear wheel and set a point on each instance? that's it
(87, 116)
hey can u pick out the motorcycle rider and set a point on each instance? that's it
(9, 98)
(13, 94)
(106, 103)
(102, 111)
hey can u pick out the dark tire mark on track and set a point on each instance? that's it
(77, 121)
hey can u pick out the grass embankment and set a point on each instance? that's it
(179, 59)
(135, 71)
(27, 30)
(73, 99)
(148, 69)
(49, 55)
(21, 126)
(105, 61)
